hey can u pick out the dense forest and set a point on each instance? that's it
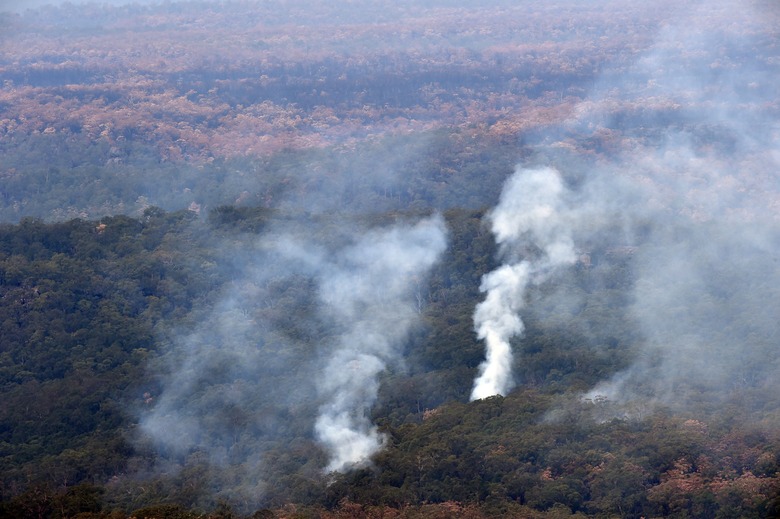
(253, 257)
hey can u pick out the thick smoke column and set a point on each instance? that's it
(370, 293)
(531, 214)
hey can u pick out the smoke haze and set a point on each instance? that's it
(665, 168)
(698, 206)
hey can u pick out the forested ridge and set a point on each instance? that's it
(83, 304)
(227, 226)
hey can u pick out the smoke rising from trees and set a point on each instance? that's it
(319, 307)
(531, 213)
(639, 239)
(696, 223)
(370, 295)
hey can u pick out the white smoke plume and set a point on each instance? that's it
(532, 214)
(369, 292)
(239, 380)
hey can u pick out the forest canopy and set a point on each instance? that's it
(256, 258)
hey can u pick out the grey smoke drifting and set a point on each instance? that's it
(297, 340)
(273, 381)
(233, 384)
(369, 292)
(703, 213)
(532, 213)
(705, 302)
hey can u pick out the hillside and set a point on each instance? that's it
(295, 259)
